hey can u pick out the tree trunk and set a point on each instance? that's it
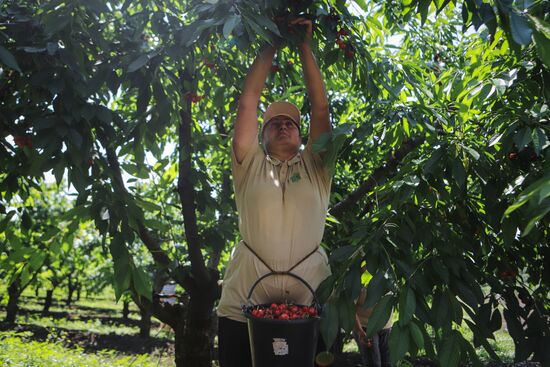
(71, 288)
(193, 339)
(78, 291)
(125, 310)
(145, 322)
(213, 332)
(48, 301)
(14, 291)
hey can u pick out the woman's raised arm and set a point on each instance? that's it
(246, 125)
(320, 116)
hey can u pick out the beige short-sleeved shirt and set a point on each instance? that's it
(282, 210)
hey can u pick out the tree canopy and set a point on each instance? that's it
(441, 187)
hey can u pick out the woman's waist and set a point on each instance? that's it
(280, 256)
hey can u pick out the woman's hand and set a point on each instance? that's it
(309, 29)
(362, 336)
(359, 330)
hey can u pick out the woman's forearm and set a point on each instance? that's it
(320, 117)
(246, 123)
(255, 79)
(313, 79)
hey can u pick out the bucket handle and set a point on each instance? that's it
(315, 301)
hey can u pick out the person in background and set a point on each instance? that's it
(374, 351)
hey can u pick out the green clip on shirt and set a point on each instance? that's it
(282, 210)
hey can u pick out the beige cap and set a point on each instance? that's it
(282, 108)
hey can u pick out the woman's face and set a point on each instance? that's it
(281, 132)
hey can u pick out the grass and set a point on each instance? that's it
(100, 315)
(92, 321)
(503, 345)
(90, 325)
(17, 351)
(103, 316)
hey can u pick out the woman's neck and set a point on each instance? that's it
(283, 156)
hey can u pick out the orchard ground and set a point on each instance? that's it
(92, 332)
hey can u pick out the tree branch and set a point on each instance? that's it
(379, 176)
(186, 190)
(168, 315)
(152, 244)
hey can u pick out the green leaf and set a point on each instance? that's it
(456, 308)
(416, 335)
(540, 25)
(257, 29)
(188, 34)
(407, 305)
(104, 114)
(500, 86)
(329, 324)
(380, 315)
(325, 289)
(142, 283)
(520, 28)
(346, 314)
(543, 47)
(528, 193)
(362, 4)
(353, 283)
(459, 173)
(398, 342)
(538, 138)
(75, 138)
(523, 137)
(342, 253)
(135, 170)
(413, 181)
(466, 294)
(433, 160)
(157, 224)
(26, 221)
(138, 63)
(230, 24)
(78, 179)
(37, 260)
(472, 152)
(544, 192)
(268, 23)
(495, 139)
(496, 321)
(378, 286)
(121, 259)
(7, 58)
(537, 216)
(449, 356)
(147, 205)
(423, 8)
(59, 171)
(331, 57)
(441, 308)
(6, 220)
(465, 345)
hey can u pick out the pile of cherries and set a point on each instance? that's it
(282, 311)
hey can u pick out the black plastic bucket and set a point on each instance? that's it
(282, 343)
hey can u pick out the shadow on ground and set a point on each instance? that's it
(92, 342)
